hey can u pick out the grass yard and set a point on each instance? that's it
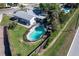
(17, 47)
(62, 45)
(5, 20)
(15, 37)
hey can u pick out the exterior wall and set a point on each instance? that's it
(32, 22)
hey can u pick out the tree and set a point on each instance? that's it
(53, 11)
(21, 7)
(12, 25)
(44, 6)
(61, 15)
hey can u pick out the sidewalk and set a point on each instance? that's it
(2, 53)
(1, 16)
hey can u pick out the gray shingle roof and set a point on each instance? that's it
(24, 15)
(30, 12)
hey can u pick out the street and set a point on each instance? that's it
(74, 49)
(8, 11)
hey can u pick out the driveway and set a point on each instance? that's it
(8, 11)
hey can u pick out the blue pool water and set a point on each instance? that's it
(37, 33)
(66, 10)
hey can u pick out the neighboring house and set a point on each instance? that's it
(28, 18)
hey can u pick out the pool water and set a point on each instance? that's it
(37, 33)
(66, 10)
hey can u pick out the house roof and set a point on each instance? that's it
(37, 13)
(24, 15)
(29, 14)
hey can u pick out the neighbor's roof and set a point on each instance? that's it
(24, 15)
(74, 49)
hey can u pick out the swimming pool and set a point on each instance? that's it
(66, 10)
(36, 33)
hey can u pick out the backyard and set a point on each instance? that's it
(16, 37)
(55, 33)
(18, 47)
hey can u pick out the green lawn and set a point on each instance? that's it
(15, 37)
(18, 47)
(62, 45)
(5, 20)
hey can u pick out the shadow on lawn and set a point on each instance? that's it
(6, 42)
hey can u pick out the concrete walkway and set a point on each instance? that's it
(1, 16)
(2, 53)
(56, 38)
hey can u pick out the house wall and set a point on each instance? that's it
(32, 22)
